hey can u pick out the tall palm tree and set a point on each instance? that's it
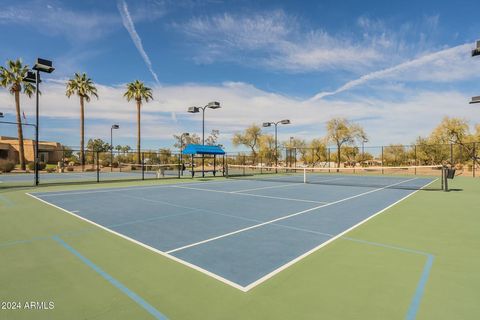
(82, 86)
(12, 77)
(138, 91)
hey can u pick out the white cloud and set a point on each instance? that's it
(280, 41)
(448, 65)
(386, 120)
(129, 25)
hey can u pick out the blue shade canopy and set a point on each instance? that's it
(201, 149)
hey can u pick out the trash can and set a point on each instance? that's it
(450, 173)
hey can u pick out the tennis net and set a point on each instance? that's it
(152, 170)
(408, 177)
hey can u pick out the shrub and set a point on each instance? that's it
(115, 164)
(69, 168)
(105, 163)
(6, 166)
(41, 166)
(90, 169)
(50, 170)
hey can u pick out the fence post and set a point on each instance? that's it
(295, 155)
(180, 165)
(416, 163)
(382, 161)
(328, 159)
(451, 154)
(98, 167)
(143, 165)
(474, 164)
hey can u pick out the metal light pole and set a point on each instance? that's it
(42, 65)
(113, 127)
(363, 150)
(269, 124)
(185, 134)
(476, 52)
(211, 105)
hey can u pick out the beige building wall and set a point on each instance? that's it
(49, 152)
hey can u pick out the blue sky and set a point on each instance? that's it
(396, 68)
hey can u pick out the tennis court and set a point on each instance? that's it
(241, 232)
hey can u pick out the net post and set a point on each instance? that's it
(304, 175)
(98, 167)
(261, 165)
(143, 166)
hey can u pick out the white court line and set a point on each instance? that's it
(288, 264)
(270, 187)
(284, 217)
(211, 274)
(249, 194)
(120, 189)
(188, 264)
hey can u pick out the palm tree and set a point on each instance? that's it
(12, 77)
(84, 88)
(138, 91)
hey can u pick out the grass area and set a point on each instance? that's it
(352, 278)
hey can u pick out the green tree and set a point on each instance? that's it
(126, 149)
(395, 155)
(319, 151)
(139, 92)
(190, 139)
(12, 77)
(98, 145)
(341, 132)
(212, 139)
(250, 138)
(266, 148)
(83, 87)
(451, 130)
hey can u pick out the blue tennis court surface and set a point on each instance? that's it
(242, 232)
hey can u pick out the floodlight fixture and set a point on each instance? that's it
(266, 124)
(1, 115)
(214, 105)
(31, 77)
(43, 65)
(476, 51)
(286, 121)
(193, 109)
(475, 100)
(115, 126)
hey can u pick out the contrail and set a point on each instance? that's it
(400, 67)
(128, 24)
